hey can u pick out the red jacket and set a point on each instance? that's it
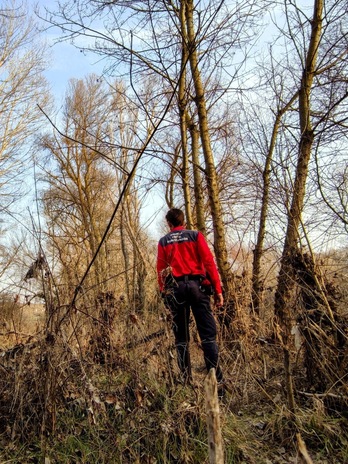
(186, 252)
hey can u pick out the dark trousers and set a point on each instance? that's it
(183, 296)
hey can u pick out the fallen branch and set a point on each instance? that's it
(146, 339)
(323, 395)
(303, 449)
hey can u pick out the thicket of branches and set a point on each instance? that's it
(250, 141)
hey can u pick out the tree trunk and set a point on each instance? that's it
(286, 280)
(125, 253)
(139, 261)
(170, 186)
(187, 125)
(211, 176)
(257, 284)
(197, 178)
(182, 104)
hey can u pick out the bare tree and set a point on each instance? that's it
(321, 56)
(257, 285)
(89, 164)
(125, 130)
(78, 200)
(144, 44)
(211, 176)
(22, 86)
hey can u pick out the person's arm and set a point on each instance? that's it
(210, 266)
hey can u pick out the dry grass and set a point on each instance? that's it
(61, 401)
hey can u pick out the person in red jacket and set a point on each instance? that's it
(184, 265)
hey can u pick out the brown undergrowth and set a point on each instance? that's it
(62, 402)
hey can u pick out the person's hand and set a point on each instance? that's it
(219, 300)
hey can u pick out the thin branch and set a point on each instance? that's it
(84, 144)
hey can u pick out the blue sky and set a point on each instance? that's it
(66, 60)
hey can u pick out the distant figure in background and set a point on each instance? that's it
(187, 276)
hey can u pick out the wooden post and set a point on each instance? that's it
(215, 445)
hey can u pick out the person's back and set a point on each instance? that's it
(185, 252)
(179, 251)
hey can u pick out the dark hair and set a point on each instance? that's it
(175, 217)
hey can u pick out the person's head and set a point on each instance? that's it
(175, 217)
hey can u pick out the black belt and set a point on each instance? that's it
(188, 277)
